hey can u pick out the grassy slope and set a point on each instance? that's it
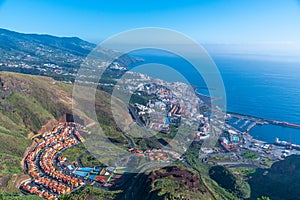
(26, 104)
(166, 188)
(281, 181)
(23, 109)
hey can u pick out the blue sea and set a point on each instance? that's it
(260, 87)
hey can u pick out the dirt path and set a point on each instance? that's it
(30, 148)
(91, 124)
(18, 180)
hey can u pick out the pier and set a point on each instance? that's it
(237, 121)
(251, 126)
(257, 120)
(245, 124)
(262, 121)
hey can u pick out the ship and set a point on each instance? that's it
(286, 144)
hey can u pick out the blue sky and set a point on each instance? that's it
(207, 21)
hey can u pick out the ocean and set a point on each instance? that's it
(259, 87)
(262, 88)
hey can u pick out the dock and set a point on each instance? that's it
(251, 126)
(262, 121)
(245, 124)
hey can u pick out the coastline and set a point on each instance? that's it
(262, 120)
(254, 120)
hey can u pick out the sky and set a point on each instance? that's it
(206, 21)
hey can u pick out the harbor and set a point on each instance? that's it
(264, 129)
(260, 120)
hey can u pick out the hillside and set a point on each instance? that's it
(47, 55)
(26, 104)
(16, 42)
(281, 181)
(24, 109)
(177, 182)
(230, 182)
(41, 54)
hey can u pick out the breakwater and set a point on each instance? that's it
(261, 121)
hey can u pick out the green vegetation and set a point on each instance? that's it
(266, 162)
(161, 188)
(88, 160)
(243, 171)
(176, 183)
(281, 181)
(220, 158)
(147, 143)
(24, 108)
(141, 99)
(250, 155)
(9, 164)
(229, 181)
(27, 103)
(6, 196)
(90, 192)
(210, 186)
(73, 153)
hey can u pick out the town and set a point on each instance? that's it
(52, 175)
(168, 105)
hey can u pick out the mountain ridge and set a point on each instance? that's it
(6, 32)
(57, 57)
